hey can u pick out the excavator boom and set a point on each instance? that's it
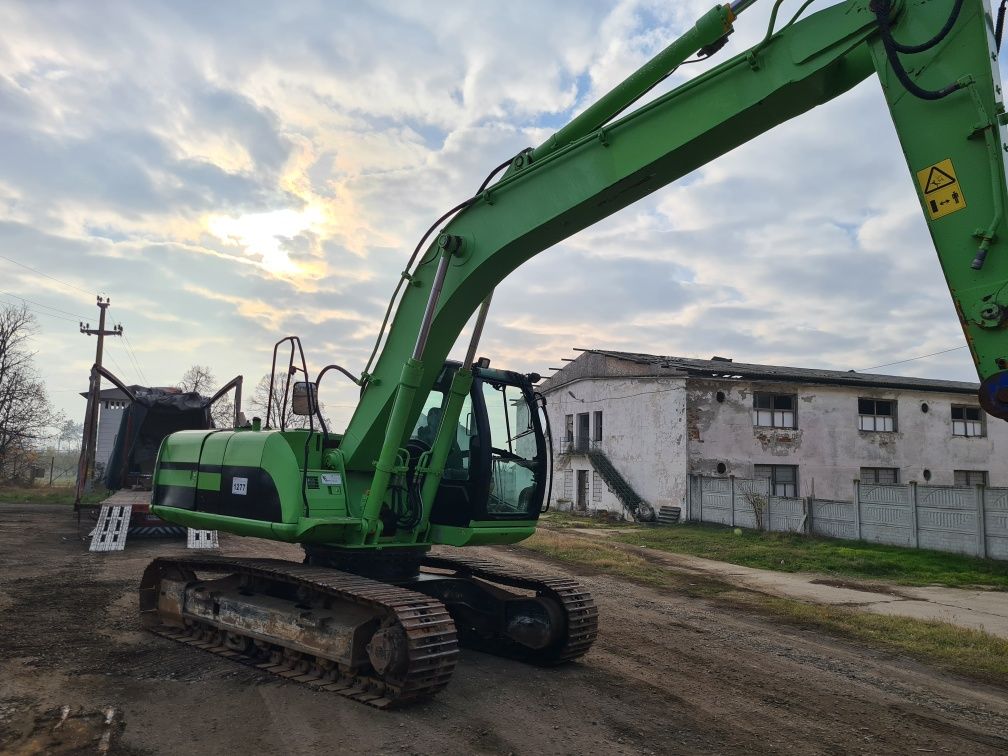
(441, 453)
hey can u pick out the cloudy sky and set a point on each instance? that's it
(229, 173)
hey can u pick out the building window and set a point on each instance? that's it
(597, 426)
(783, 478)
(583, 431)
(774, 410)
(569, 428)
(970, 478)
(597, 486)
(967, 421)
(880, 476)
(876, 415)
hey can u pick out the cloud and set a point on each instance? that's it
(233, 174)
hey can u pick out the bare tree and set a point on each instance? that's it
(755, 493)
(25, 409)
(198, 379)
(260, 399)
(70, 434)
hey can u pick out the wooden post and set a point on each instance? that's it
(857, 508)
(981, 524)
(731, 479)
(52, 464)
(914, 527)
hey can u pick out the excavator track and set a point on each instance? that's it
(577, 605)
(423, 653)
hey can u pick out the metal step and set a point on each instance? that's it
(113, 525)
(202, 539)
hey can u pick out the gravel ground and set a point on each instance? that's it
(669, 674)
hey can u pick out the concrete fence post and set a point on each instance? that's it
(857, 508)
(981, 524)
(809, 504)
(700, 488)
(766, 510)
(689, 497)
(731, 483)
(914, 527)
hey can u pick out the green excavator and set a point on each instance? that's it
(447, 454)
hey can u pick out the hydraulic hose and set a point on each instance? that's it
(893, 48)
(458, 208)
(923, 46)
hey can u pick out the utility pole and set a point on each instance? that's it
(89, 442)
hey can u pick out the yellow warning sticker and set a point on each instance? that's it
(941, 190)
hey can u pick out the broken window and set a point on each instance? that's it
(876, 415)
(967, 421)
(783, 478)
(969, 478)
(569, 428)
(597, 429)
(880, 476)
(774, 410)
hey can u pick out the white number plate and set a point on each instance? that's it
(239, 486)
(331, 479)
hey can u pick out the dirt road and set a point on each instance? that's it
(669, 674)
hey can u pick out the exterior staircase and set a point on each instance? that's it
(623, 490)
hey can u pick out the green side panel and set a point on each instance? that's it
(206, 521)
(182, 447)
(482, 534)
(222, 464)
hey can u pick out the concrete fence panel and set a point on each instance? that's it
(717, 500)
(971, 521)
(786, 515)
(947, 519)
(833, 519)
(886, 515)
(996, 522)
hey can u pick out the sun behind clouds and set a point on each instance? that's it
(263, 234)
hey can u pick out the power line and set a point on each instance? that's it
(141, 378)
(48, 307)
(122, 370)
(136, 365)
(136, 360)
(51, 278)
(919, 357)
(48, 314)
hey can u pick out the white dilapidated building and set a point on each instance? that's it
(630, 428)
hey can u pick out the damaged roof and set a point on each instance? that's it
(636, 364)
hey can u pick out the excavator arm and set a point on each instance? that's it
(372, 501)
(945, 100)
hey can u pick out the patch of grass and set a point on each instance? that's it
(960, 650)
(797, 553)
(600, 557)
(601, 519)
(47, 495)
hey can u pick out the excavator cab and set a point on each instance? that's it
(496, 469)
